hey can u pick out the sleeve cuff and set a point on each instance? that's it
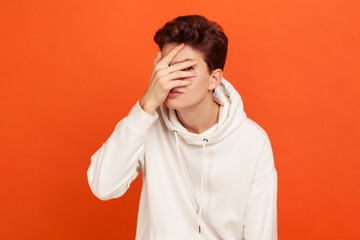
(139, 120)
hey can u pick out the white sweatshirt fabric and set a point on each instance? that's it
(219, 184)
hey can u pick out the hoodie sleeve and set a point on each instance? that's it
(120, 159)
(261, 213)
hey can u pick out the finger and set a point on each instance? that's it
(157, 58)
(179, 83)
(182, 65)
(181, 74)
(169, 57)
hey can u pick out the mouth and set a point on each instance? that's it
(174, 90)
(174, 93)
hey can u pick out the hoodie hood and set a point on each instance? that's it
(231, 115)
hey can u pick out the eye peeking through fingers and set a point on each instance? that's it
(187, 69)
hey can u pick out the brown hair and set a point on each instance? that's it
(198, 32)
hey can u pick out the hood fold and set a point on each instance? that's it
(231, 115)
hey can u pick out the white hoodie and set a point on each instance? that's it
(219, 184)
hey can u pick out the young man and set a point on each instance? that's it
(208, 170)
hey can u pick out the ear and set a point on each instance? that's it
(215, 78)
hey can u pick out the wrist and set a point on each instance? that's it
(147, 106)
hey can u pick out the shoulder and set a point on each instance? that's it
(254, 131)
(265, 159)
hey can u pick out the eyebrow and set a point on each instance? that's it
(184, 60)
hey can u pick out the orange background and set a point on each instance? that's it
(71, 70)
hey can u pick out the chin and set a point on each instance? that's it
(174, 104)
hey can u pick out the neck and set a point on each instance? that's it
(201, 116)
